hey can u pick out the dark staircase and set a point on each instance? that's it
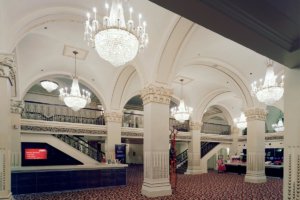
(207, 147)
(82, 146)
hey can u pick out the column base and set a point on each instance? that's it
(194, 171)
(156, 188)
(255, 178)
(8, 197)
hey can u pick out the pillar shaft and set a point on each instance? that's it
(255, 145)
(291, 181)
(156, 141)
(194, 150)
(234, 146)
(6, 83)
(113, 122)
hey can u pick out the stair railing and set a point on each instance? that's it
(207, 147)
(81, 146)
(182, 158)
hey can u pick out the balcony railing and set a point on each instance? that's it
(133, 120)
(183, 127)
(219, 129)
(61, 113)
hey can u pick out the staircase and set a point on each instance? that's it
(182, 162)
(206, 147)
(82, 146)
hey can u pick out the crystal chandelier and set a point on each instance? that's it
(268, 91)
(241, 122)
(279, 126)
(73, 98)
(49, 85)
(181, 112)
(116, 40)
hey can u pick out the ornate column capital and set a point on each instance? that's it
(16, 106)
(195, 126)
(7, 68)
(113, 117)
(256, 114)
(155, 94)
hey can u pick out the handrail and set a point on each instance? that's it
(207, 147)
(182, 157)
(82, 146)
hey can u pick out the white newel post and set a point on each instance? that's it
(113, 121)
(291, 181)
(194, 149)
(156, 102)
(256, 118)
(16, 111)
(7, 80)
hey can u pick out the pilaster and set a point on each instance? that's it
(113, 121)
(194, 149)
(7, 80)
(156, 141)
(291, 181)
(255, 145)
(16, 108)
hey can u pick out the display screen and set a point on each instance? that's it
(35, 154)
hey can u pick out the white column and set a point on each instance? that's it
(256, 145)
(156, 141)
(234, 145)
(291, 181)
(7, 79)
(16, 110)
(194, 149)
(113, 121)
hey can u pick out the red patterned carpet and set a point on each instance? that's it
(211, 186)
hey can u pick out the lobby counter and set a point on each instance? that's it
(270, 170)
(26, 180)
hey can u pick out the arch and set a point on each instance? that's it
(171, 49)
(227, 70)
(44, 16)
(225, 112)
(122, 80)
(85, 82)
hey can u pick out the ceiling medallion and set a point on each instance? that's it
(116, 40)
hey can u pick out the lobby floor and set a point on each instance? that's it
(211, 186)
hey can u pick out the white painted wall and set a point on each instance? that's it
(134, 154)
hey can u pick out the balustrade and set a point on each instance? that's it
(61, 113)
(211, 128)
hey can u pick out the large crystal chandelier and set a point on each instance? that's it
(74, 98)
(49, 85)
(241, 122)
(116, 40)
(279, 126)
(181, 112)
(268, 91)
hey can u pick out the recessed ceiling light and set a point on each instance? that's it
(45, 27)
(42, 70)
(250, 73)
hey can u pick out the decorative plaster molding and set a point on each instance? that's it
(256, 114)
(7, 68)
(16, 106)
(130, 134)
(195, 126)
(155, 94)
(113, 117)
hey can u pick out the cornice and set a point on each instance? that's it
(155, 94)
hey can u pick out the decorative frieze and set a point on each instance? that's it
(113, 117)
(16, 106)
(132, 134)
(195, 126)
(155, 94)
(256, 114)
(7, 68)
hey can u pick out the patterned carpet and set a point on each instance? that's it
(212, 186)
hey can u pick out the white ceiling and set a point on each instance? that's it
(40, 53)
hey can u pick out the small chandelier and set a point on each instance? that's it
(116, 40)
(268, 91)
(181, 112)
(73, 98)
(241, 122)
(49, 85)
(279, 126)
